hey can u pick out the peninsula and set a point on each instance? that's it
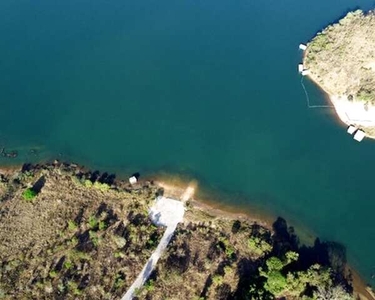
(341, 60)
(69, 233)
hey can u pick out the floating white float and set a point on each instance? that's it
(351, 129)
(359, 135)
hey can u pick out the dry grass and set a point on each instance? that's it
(341, 58)
(205, 260)
(72, 242)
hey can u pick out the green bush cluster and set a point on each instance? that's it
(294, 284)
(259, 246)
(366, 95)
(72, 226)
(29, 194)
(228, 248)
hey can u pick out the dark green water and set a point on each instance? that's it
(204, 88)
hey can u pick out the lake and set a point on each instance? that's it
(205, 89)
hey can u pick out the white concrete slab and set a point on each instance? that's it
(165, 212)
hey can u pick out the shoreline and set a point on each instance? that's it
(361, 288)
(350, 112)
(216, 208)
(339, 60)
(203, 209)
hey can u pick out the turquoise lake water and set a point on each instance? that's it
(207, 89)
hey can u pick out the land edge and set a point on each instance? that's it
(340, 112)
(361, 289)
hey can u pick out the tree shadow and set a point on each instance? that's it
(249, 280)
(284, 239)
(39, 184)
(206, 287)
(107, 178)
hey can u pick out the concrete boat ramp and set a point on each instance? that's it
(165, 212)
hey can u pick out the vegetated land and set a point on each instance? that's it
(341, 58)
(71, 234)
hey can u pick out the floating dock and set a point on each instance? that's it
(302, 47)
(351, 129)
(305, 72)
(359, 135)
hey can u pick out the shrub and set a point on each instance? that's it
(259, 246)
(119, 282)
(102, 225)
(78, 255)
(73, 287)
(87, 183)
(150, 285)
(29, 195)
(68, 264)
(366, 95)
(94, 238)
(217, 279)
(93, 222)
(119, 254)
(61, 287)
(101, 186)
(291, 256)
(226, 246)
(320, 42)
(119, 241)
(52, 274)
(72, 225)
(73, 241)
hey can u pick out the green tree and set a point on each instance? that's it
(259, 246)
(332, 293)
(276, 283)
(294, 283)
(274, 264)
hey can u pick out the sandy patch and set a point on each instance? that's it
(354, 112)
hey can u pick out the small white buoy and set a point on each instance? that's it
(351, 129)
(305, 72)
(300, 68)
(359, 135)
(302, 47)
(133, 180)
